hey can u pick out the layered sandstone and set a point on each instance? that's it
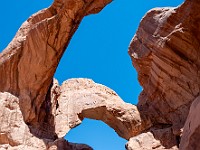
(191, 132)
(29, 62)
(44, 110)
(36, 112)
(27, 67)
(165, 52)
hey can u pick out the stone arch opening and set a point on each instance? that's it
(83, 98)
(90, 132)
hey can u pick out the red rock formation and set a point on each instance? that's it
(28, 64)
(70, 104)
(27, 67)
(165, 52)
(145, 141)
(82, 98)
(191, 132)
(16, 135)
(46, 111)
(36, 112)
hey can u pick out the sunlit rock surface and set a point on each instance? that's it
(36, 112)
(165, 52)
(82, 98)
(27, 67)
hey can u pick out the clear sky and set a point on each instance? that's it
(97, 51)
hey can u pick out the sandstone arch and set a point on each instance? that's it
(83, 98)
(27, 66)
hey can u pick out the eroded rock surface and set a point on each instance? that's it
(36, 112)
(191, 132)
(144, 141)
(27, 67)
(29, 62)
(16, 135)
(75, 100)
(165, 51)
(82, 98)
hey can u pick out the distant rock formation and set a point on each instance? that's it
(36, 112)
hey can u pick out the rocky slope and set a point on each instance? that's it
(36, 112)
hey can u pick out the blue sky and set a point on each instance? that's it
(97, 51)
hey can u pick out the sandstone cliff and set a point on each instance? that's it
(36, 112)
(165, 52)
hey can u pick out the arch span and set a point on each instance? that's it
(83, 98)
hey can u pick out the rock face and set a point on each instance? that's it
(36, 112)
(75, 100)
(191, 132)
(15, 134)
(28, 64)
(44, 110)
(145, 141)
(82, 98)
(27, 67)
(165, 52)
